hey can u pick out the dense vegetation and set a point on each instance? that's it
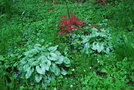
(66, 45)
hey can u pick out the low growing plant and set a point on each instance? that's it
(41, 64)
(95, 41)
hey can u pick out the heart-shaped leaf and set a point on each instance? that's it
(38, 78)
(52, 56)
(40, 70)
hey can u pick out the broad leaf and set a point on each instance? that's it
(29, 72)
(40, 70)
(63, 72)
(60, 60)
(67, 62)
(55, 69)
(52, 49)
(52, 56)
(38, 78)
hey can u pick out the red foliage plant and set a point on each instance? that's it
(70, 24)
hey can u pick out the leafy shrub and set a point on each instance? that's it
(69, 25)
(41, 64)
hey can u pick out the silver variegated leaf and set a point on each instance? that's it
(52, 49)
(52, 56)
(40, 70)
(38, 78)
(29, 72)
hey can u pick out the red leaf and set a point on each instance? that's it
(64, 16)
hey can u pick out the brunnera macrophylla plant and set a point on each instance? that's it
(41, 64)
(69, 25)
(95, 42)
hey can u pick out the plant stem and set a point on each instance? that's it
(67, 9)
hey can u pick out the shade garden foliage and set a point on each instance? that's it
(66, 45)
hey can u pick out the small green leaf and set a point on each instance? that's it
(104, 70)
(1, 58)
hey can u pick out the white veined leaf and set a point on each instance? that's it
(23, 61)
(99, 47)
(85, 39)
(49, 78)
(52, 49)
(63, 72)
(26, 53)
(52, 56)
(25, 67)
(37, 45)
(31, 60)
(45, 65)
(35, 63)
(60, 60)
(42, 59)
(40, 70)
(57, 53)
(34, 51)
(38, 78)
(29, 72)
(55, 69)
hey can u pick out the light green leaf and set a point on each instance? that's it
(60, 60)
(63, 72)
(1, 58)
(38, 78)
(55, 69)
(35, 63)
(45, 65)
(42, 59)
(37, 45)
(57, 53)
(104, 70)
(52, 56)
(67, 62)
(99, 47)
(52, 49)
(40, 70)
(25, 67)
(23, 61)
(29, 72)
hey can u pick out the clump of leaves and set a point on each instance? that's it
(96, 41)
(41, 64)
